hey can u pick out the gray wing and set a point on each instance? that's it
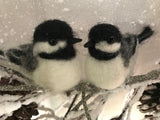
(128, 48)
(23, 56)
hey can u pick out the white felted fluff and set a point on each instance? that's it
(46, 47)
(57, 75)
(105, 47)
(106, 74)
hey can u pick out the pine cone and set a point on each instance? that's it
(150, 99)
(25, 112)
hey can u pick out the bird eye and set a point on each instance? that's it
(111, 40)
(52, 42)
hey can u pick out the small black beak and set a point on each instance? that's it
(75, 40)
(88, 44)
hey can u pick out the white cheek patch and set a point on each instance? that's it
(47, 48)
(62, 44)
(110, 48)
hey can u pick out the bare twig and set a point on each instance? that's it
(71, 105)
(139, 79)
(15, 72)
(84, 102)
(19, 88)
(80, 103)
(96, 104)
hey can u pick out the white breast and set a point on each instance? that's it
(106, 74)
(58, 75)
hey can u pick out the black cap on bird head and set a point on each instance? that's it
(103, 32)
(54, 30)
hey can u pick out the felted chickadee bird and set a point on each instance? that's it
(110, 58)
(51, 59)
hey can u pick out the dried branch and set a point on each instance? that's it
(92, 108)
(148, 78)
(84, 102)
(76, 108)
(17, 73)
(71, 105)
(20, 88)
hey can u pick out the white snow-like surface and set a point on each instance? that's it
(135, 113)
(56, 102)
(5, 98)
(9, 107)
(19, 18)
(114, 105)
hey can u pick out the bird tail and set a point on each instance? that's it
(146, 33)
